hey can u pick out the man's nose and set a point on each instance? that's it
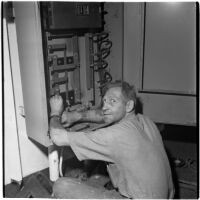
(105, 106)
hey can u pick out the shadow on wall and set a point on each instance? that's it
(180, 133)
(139, 106)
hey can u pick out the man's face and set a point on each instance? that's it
(114, 105)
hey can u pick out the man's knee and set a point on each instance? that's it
(64, 186)
(58, 187)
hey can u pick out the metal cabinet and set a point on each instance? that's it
(160, 58)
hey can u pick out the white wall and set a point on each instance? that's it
(133, 42)
(172, 109)
(12, 164)
(170, 47)
(114, 26)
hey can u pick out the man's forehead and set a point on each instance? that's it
(114, 91)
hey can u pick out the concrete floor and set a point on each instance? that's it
(181, 143)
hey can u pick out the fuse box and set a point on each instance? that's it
(74, 16)
(75, 64)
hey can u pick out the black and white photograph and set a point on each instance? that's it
(100, 99)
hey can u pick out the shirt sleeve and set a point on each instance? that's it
(94, 145)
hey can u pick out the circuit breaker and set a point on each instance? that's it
(63, 67)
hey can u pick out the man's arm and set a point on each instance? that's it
(92, 116)
(57, 133)
(68, 118)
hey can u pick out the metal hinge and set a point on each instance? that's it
(21, 111)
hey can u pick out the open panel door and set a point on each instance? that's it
(29, 38)
(12, 163)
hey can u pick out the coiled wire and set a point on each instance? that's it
(103, 51)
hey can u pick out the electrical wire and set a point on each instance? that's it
(103, 51)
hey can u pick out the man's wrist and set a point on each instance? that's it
(55, 116)
(55, 122)
(55, 113)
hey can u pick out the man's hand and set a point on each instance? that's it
(59, 136)
(68, 118)
(56, 104)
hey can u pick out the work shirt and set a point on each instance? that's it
(139, 166)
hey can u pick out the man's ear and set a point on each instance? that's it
(129, 106)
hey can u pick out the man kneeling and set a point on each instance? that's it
(138, 165)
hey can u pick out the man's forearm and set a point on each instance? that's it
(92, 116)
(55, 122)
(58, 133)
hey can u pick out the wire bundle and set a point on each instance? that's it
(103, 51)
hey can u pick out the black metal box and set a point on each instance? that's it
(75, 15)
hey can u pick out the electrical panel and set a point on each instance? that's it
(63, 67)
(75, 60)
(74, 16)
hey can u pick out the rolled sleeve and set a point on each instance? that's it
(93, 145)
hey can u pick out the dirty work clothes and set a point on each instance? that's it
(139, 166)
(69, 188)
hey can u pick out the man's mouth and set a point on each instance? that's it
(107, 116)
(106, 113)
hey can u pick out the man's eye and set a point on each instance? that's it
(112, 100)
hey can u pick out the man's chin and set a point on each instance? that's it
(108, 119)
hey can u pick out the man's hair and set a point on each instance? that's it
(128, 91)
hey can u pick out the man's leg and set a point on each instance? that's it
(69, 188)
